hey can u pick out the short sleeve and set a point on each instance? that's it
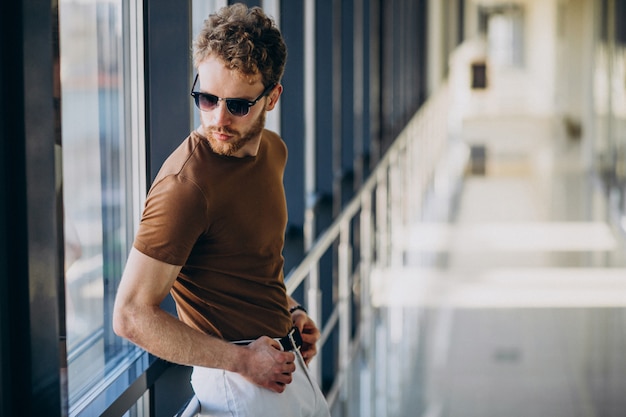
(175, 215)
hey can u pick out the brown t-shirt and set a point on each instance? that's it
(222, 218)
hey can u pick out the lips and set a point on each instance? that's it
(221, 136)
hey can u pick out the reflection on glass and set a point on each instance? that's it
(97, 182)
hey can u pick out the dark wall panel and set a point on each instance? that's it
(292, 109)
(168, 79)
(325, 90)
(29, 280)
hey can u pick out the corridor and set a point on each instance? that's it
(515, 306)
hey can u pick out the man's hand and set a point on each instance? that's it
(267, 365)
(310, 334)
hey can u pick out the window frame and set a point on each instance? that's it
(156, 85)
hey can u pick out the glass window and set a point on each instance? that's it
(103, 175)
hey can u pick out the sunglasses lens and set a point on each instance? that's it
(237, 107)
(205, 101)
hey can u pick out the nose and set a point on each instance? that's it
(220, 115)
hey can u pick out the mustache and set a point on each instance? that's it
(222, 130)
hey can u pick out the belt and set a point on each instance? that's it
(292, 341)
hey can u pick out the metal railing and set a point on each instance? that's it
(393, 196)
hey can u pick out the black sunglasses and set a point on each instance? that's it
(236, 106)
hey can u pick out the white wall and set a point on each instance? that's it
(541, 52)
(528, 90)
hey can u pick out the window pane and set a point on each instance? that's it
(98, 182)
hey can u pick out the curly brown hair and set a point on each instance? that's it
(247, 40)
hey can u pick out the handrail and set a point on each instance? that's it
(392, 195)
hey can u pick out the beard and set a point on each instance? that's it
(239, 139)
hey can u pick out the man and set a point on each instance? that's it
(212, 235)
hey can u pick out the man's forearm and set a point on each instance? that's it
(172, 340)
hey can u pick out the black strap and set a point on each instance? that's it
(292, 341)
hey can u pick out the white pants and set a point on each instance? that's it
(222, 393)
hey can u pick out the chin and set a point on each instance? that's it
(222, 148)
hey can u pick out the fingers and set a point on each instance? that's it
(310, 338)
(310, 332)
(289, 365)
(309, 347)
(282, 373)
(300, 321)
(275, 344)
(308, 352)
(310, 335)
(269, 366)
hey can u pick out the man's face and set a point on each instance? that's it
(229, 134)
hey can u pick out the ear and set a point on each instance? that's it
(273, 97)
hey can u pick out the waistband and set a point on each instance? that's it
(292, 341)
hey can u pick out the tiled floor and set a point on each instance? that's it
(523, 313)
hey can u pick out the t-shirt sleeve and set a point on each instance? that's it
(174, 217)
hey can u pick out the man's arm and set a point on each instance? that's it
(138, 317)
